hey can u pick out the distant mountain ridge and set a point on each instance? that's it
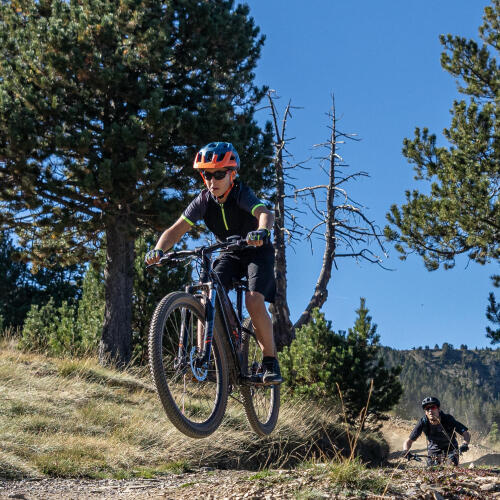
(466, 381)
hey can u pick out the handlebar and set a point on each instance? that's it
(413, 456)
(418, 458)
(231, 244)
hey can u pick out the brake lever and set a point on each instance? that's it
(237, 245)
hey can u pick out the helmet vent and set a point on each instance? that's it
(208, 156)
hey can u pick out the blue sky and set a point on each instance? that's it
(382, 62)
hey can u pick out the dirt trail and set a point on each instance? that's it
(406, 480)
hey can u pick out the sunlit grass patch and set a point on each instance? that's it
(36, 424)
(352, 474)
(73, 418)
(262, 474)
(77, 461)
(310, 494)
(89, 370)
(175, 467)
(101, 414)
(14, 467)
(18, 408)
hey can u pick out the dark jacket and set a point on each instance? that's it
(441, 437)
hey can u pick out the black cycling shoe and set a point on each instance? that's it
(272, 373)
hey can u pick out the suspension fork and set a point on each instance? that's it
(183, 339)
(209, 325)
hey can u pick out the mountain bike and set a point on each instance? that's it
(435, 460)
(201, 351)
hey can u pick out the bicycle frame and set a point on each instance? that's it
(215, 298)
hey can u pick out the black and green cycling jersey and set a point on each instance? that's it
(233, 217)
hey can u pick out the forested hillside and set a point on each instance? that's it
(466, 381)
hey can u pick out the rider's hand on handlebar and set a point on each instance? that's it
(153, 257)
(408, 455)
(258, 237)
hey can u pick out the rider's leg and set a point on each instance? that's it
(261, 321)
(264, 331)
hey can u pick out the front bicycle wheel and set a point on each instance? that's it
(261, 402)
(194, 398)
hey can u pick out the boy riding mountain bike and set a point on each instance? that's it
(440, 430)
(228, 207)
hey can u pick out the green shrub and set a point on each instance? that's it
(493, 436)
(90, 312)
(63, 337)
(50, 330)
(37, 328)
(319, 359)
(309, 363)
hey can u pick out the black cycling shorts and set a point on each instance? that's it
(257, 264)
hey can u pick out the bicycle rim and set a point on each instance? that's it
(261, 402)
(195, 407)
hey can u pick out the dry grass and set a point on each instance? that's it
(74, 418)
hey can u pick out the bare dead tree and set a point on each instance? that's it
(282, 325)
(340, 220)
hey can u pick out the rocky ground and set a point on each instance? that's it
(477, 477)
(313, 483)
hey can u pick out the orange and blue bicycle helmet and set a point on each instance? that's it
(217, 155)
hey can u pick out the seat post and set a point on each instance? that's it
(239, 301)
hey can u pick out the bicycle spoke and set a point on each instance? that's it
(261, 402)
(195, 399)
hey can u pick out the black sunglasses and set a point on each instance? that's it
(218, 176)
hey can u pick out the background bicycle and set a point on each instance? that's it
(435, 460)
(201, 351)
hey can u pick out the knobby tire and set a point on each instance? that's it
(195, 408)
(261, 402)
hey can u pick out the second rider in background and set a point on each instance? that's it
(228, 207)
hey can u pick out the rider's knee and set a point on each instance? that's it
(254, 299)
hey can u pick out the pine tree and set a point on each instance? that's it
(20, 289)
(461, 215)
(310, 365)
(319, 359)
(363, 363)
(493, 315)
(102, 108)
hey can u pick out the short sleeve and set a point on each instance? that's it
(248, 201)
(196, 209)
(415, 433)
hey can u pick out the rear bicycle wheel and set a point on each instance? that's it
(261, 402)
(196, 407)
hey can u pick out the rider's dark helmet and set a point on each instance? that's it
(217, 155)
(430, 401)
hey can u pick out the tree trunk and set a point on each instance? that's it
(282, 326)
(321, 290)
(116, 342)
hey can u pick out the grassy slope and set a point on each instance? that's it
(73, 418)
